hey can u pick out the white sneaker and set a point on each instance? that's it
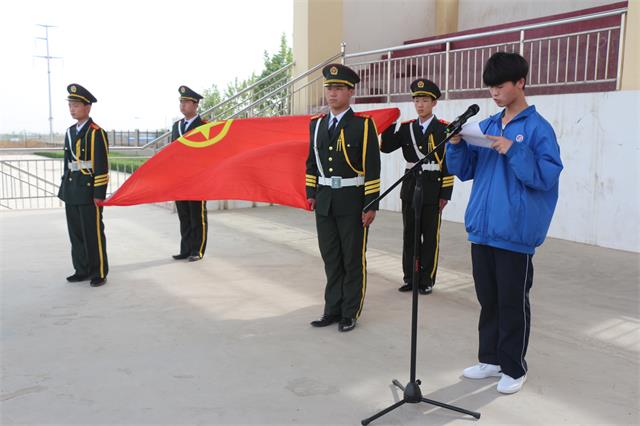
(508, 384)
(482, 371)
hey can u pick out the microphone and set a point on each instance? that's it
(456, 125)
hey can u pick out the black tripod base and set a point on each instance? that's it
(413, 395)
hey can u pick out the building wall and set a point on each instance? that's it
(598, 132)
(317, 32)
(446, 16)
(631, 68)
(599, 200)
(375, 24)
(484, 13)
(317, 36)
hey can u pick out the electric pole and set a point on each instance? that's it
(48, 57)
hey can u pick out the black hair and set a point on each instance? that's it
(502, 67)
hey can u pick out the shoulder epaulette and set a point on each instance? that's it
(408, 121)
(313, 117)
(443, 121)
(94, 126)
(363, 115)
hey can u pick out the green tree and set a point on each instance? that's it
(212, 97)
(276, 105)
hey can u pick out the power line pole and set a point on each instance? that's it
(48, 57)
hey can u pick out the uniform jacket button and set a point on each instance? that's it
(330, 169)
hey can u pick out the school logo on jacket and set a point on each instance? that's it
(519, 138)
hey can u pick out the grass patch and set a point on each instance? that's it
(118, 161)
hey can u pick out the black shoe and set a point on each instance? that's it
(75, 278)
(406, 287)
(425, 290)
(97, 282)
(180, 256)
(194, 258)
(325, 320)
(347, 324)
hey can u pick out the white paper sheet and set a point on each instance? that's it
(472, 134)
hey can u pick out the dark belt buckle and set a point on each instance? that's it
(336, 182)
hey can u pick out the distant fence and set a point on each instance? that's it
(133, 137)
(30, 183)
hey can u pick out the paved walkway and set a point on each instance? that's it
(227, 341)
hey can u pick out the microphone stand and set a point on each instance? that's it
(412, 392)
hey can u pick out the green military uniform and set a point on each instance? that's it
(86, 175)
(194, 223)
(437, 184)
(343, 175)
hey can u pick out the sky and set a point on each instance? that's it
(131, 55)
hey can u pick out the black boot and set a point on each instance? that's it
(347, 324)
(325, 320)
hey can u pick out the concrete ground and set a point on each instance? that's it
(227, 340)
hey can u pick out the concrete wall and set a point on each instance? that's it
(446, 16)
(317, 32)
(599, 139)
(631, 69)
(375, 24)
(483, 13)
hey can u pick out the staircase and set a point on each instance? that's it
(274, 95)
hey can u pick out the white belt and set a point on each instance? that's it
(77, 165)
(337, 182)
(432, 167)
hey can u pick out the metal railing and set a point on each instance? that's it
(237, 104)
(30, 183)
(33, 183)
(303, 94)
(590, 58)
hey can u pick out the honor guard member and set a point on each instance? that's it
(192, 214)
(84, 184)
(342, 176)
(417, 138)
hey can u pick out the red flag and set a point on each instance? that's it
(253, 159)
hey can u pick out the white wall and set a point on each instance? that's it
(599, 138)
(374, 24)
(483, 13)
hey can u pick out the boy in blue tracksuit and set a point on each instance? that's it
(514, 194)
